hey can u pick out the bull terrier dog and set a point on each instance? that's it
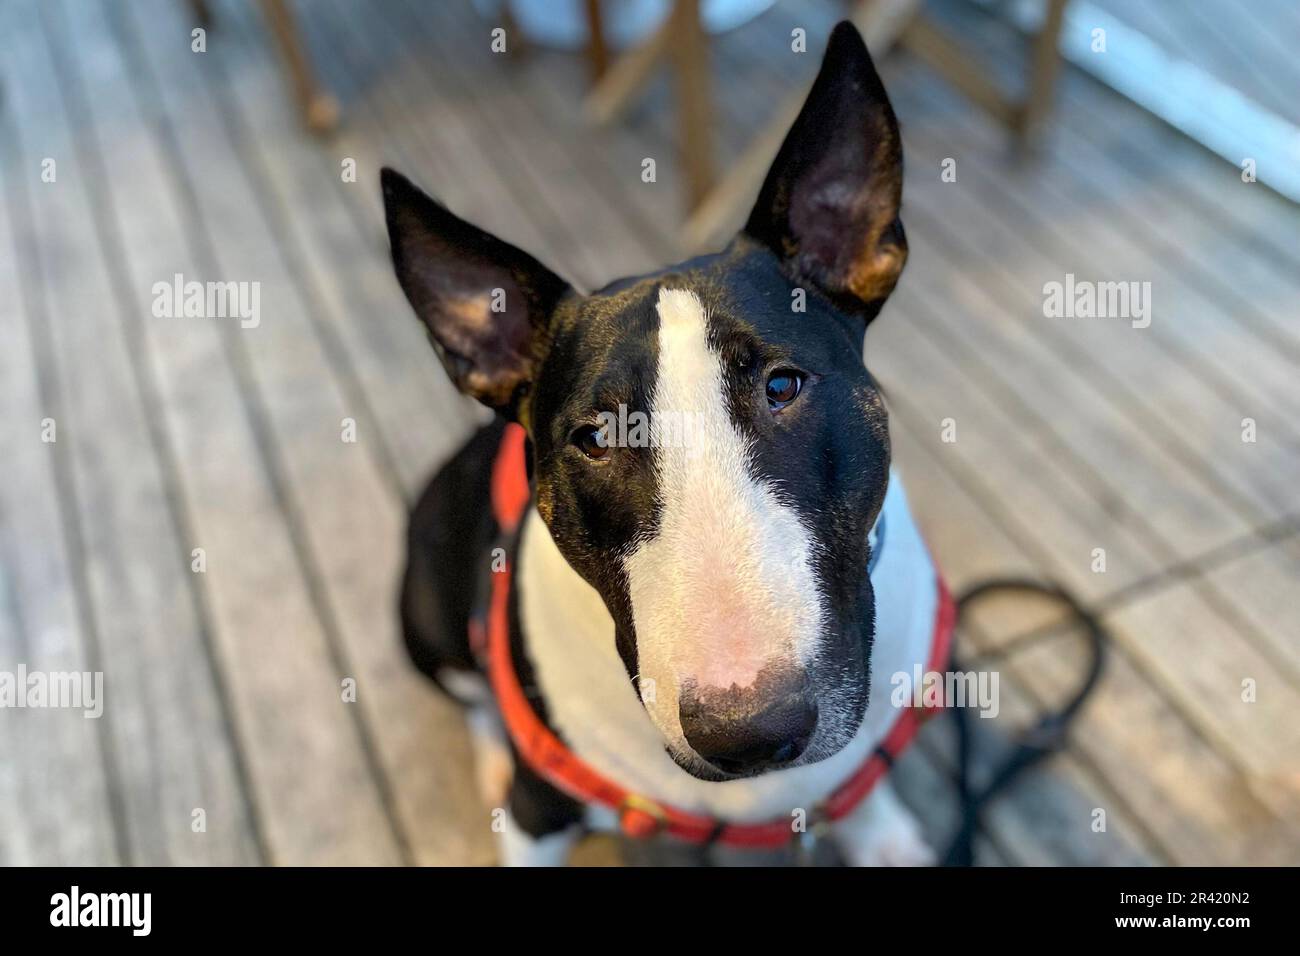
(673, 579)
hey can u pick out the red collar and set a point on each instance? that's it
(639, 815)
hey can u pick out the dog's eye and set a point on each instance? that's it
(592, 441)
(783, 387)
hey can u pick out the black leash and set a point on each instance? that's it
(1046, 737)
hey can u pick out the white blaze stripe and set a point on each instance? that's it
(727, 585)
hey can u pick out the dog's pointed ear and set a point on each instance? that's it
(829, 207)
(485, 302)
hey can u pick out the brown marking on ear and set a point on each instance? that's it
(453, 273)
(830, 204)
(876, 268)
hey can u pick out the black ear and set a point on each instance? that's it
(829, 206)
(485, 302)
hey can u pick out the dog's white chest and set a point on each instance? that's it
(592, 704)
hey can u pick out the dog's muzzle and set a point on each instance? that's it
(745, 731)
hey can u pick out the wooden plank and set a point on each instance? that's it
(551, 179)
(1263, 218)
(978, 539)
(550, 80)
(45, 821)
(1200, 657)
(421, 736)
(1039, 820)
(965, 531)
(391, 92)
(969, 547)
(1262, 589)
(1058, 513)
(271, 645)
(1256, 293)
(1122, 193)
(346, 518)
(1157, 494)
(1093, 445)
(1012, 234)
(420, 421)
(1141, 753)
(1129, 736)
(137, 578)
(432, 100)
(1149, 375)
(1045, 817)
(1188, 795)
(1185, 679)
(337, 242)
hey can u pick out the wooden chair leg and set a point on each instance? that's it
(725, 203)
(951, 60)
(881, 22)
(517, 45)
(681, 40)
(202, 12)
(1045, 64)
(597, 50)
(320, 110)
(625, 76)
(690, 53)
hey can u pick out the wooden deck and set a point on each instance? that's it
(224, 687)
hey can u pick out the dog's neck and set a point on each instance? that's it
(573, 618)
(569, 637)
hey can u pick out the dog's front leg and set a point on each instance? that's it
(520, 848)
(540, 825)
(881, 831)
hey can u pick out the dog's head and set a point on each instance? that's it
(709, 451)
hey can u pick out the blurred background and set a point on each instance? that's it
(202, 530)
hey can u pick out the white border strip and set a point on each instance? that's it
(1218, 116)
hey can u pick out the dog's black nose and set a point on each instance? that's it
(746, 731)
